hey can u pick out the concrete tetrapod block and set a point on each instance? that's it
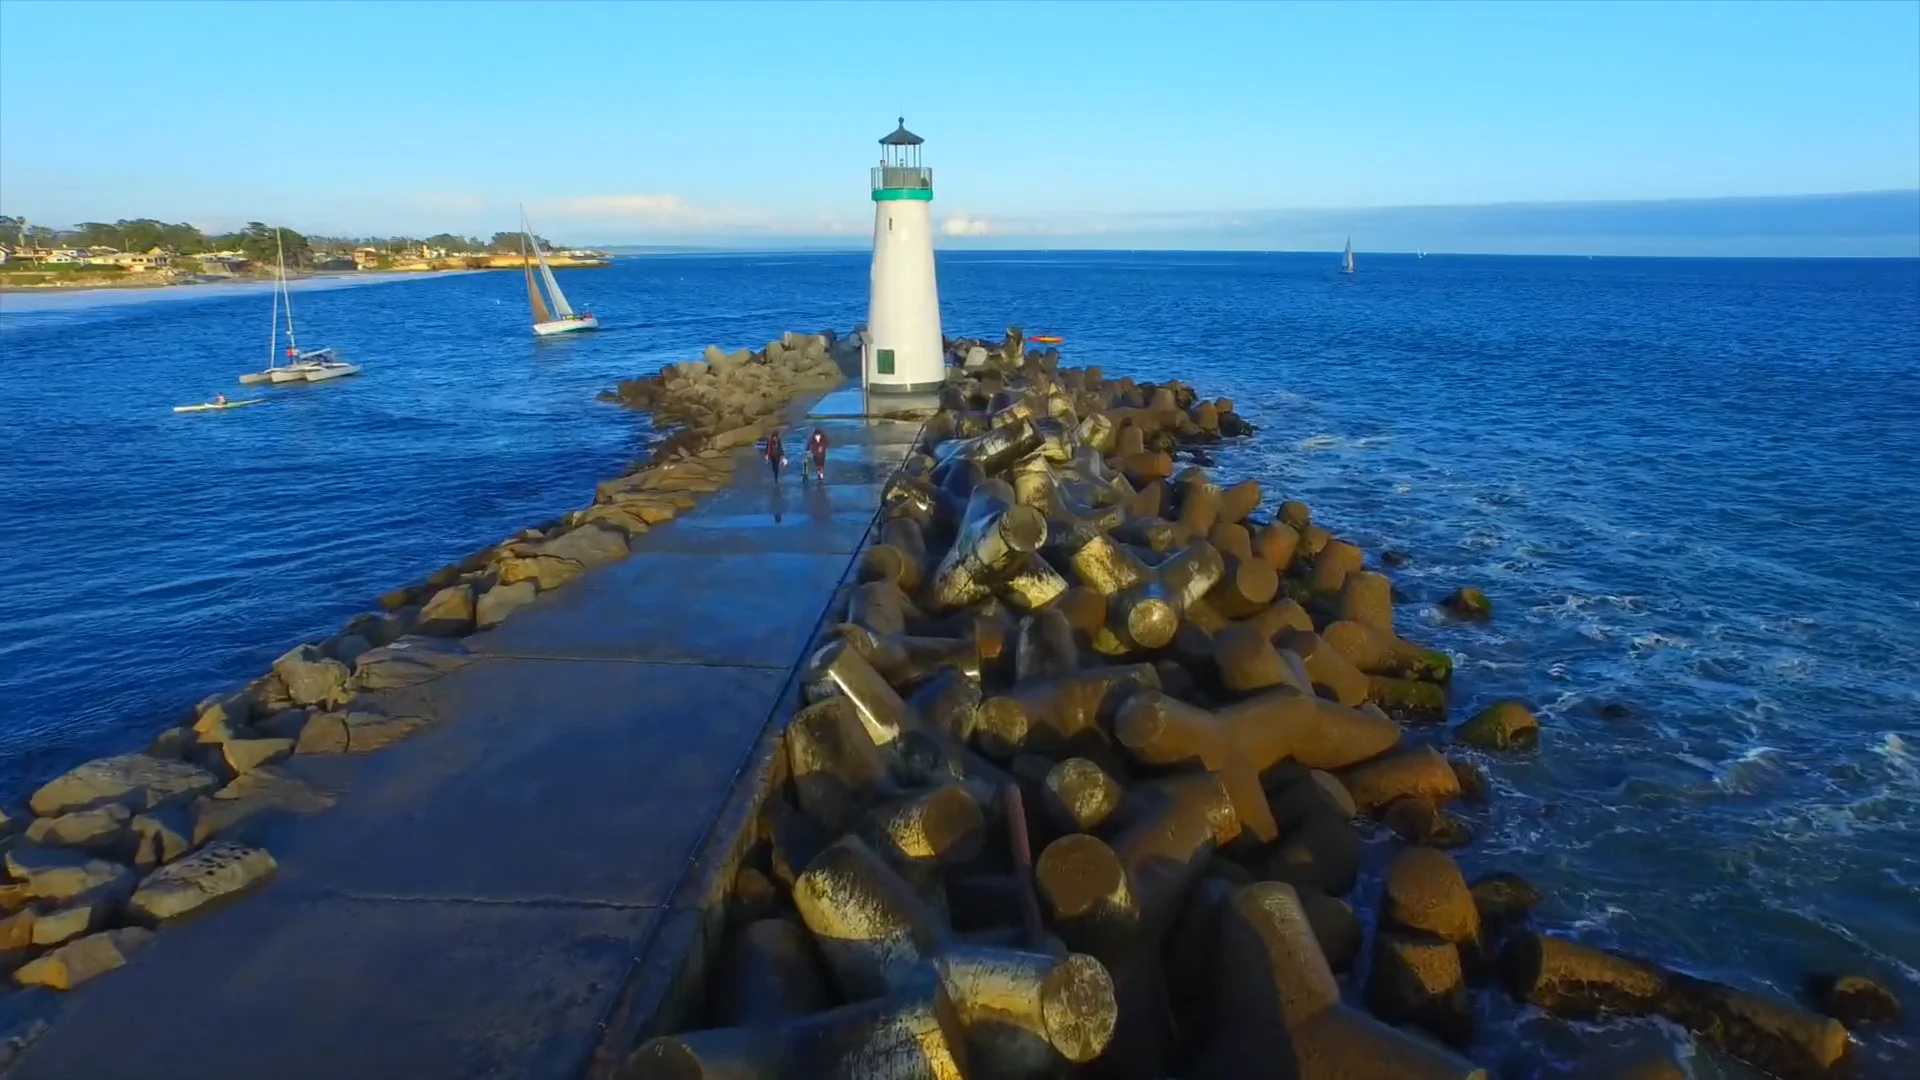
(1279, 1010)
(1330, 672)
(1114, 902)
(994, 533)
(1061, 714)
(839, 669)
(768, 976)
(836, 767)
(1580, 982)
(1242, 740)
(913, 1033)
(1380, 652)
(1410, 772)
(1044, 645)
(873, 933)
(1144, 603)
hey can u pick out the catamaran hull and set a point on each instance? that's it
(286, 374)
(566, 326)
(332, 371)
(253, 377)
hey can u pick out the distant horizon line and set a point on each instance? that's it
(812, 249)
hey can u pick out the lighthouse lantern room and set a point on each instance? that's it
(904, 351)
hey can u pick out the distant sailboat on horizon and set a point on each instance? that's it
(561, 319)
(1346, 266)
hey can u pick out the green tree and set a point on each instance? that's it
(451, 242)
(262, 243)
(10, 229)
(511, 241)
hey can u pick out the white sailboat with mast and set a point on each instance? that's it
(313, 365)
(1346, 265)
(561, 319)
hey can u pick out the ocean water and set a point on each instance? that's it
(1691, 488)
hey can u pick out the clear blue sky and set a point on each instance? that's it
(662, 122)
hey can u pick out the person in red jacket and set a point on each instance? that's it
(817, 447)
(776, 455)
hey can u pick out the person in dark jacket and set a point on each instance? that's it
(776, 455)
(817, 449)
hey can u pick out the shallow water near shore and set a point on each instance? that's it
(1688, 487)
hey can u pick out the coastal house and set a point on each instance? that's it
(133, 262)
(5, 254)
(366, 257)
(221, 264)
(64, 257)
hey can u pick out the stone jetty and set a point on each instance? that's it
(118, 848)
(1025, 747)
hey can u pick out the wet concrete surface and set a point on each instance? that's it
(482, 892)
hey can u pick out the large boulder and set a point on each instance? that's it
(135, 781)
(503, 600)
(78, 961)
(544, 571)
(354, 732)
(100, 829)
(215, 871)
(448, 613)
(161, 835)
(241, 756)
(265, 791)
(408, 662)
(588, 546)
(312, 677)
(52, 873)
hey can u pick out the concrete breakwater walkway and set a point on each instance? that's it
(476, 902)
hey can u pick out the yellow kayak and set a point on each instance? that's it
(211, 406)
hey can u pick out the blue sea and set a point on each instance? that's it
(1691, 488)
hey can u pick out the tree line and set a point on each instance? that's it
(257, 240)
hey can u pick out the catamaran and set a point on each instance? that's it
(1346, 267)
(313, 365)
(562, 319)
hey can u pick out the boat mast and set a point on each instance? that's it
(280, 246)
(273, 329)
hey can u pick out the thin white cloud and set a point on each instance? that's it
(962, 225)
(669, 213)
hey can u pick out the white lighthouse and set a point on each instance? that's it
(904, 352)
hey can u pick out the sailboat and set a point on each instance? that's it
(562, 319)
(313, 365)
(1346, 267)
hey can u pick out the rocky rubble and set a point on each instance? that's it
(1083, 779)
(129, 842)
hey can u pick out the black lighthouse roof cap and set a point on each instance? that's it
(902, 137)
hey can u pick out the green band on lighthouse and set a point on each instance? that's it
(889, 194)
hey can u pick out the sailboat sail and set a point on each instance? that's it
(540, 312)
(1348, 267)
(553, 287)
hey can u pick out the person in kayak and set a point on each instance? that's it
(219, 398)
(817, 447)
(776, 456)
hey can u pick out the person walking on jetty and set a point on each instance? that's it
(817, 447)
(776, 455)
